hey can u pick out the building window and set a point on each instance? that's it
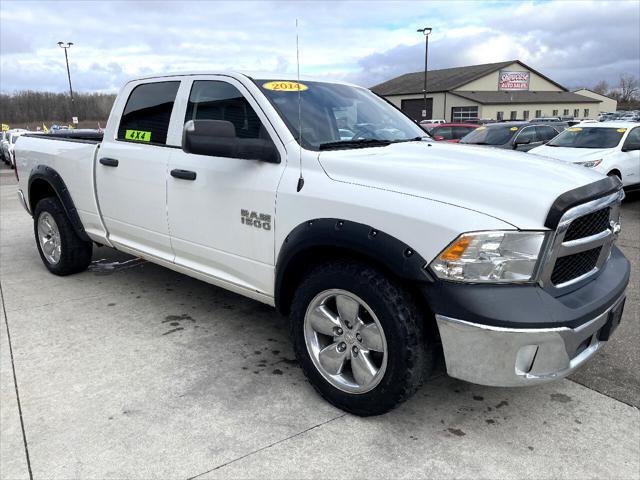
(566, 112)
(576, 113)
(586, 113)
(461, 114)
(500, 116)
(514, 115)
(538, 113)
(525, 114)
(555, 113)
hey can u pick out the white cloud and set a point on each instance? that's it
(365, 42)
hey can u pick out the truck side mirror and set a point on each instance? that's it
(217, 138)
(521, 141)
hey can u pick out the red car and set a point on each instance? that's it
(449, 132)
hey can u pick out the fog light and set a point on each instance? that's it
(525, 358)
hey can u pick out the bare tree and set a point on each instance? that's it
(629, 87)
(602, 87)
(38, 107)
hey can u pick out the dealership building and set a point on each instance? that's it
(498, 91)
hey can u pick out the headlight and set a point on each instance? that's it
(490, 257)
(591, 163)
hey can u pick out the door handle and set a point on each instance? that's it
(183, 174)
(109, 162)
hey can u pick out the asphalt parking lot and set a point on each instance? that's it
(130, 370)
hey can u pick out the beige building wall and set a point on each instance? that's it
(606, 104)
(489, 83)
(491, 111)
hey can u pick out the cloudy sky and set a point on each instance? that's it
(576, 43)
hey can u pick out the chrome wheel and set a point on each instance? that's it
(345, 341)
(49, 238)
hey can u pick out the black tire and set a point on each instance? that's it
(410, 354)
(75, 253)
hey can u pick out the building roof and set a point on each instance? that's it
(445, 79)
(437, 80)
(595, 93)
(514, 97)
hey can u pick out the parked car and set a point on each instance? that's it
(433, 121)
(4, 138)
(383, 248)
(450, 132)
(522, 136)
(8, 145)
(546, 120)
(612, 148)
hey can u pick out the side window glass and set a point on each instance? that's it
(633, 137)
(459, 132)
(545, 133)
(442, 132)
(215, 100)
(146, 115)
(528, 132)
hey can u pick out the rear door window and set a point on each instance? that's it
(545, 133)
(147, 113)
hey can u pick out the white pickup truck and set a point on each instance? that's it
(323, 200)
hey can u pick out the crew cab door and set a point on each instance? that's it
(222, 210)
(131, 170)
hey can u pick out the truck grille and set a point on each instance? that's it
(581, 244)
(588, 225)
(574, 266)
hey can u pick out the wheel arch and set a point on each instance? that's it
(316, 241)
(44, 182)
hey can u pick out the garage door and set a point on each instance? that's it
(413, 108)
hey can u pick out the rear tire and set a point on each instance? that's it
(62, 251)
(400, 355)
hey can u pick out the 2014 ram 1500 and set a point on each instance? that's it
(321, 199)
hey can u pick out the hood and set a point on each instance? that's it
(569, 154)
(515, 187)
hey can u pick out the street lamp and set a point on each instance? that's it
(425, 31)
(66, 46)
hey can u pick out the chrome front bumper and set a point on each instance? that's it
(509, 357)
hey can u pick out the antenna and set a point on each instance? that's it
(301, 178)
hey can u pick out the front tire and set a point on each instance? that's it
(62, 251)
(359, 337)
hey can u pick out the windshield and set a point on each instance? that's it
(333, 114)
(491, 135)
(588, 137)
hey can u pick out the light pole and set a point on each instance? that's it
(425, 31)
(66, 46)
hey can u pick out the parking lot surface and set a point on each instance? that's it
(130, 370)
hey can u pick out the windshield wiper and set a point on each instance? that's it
(362, 143)
(414, 139)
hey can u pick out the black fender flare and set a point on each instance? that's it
(364, 240)
(53, 178)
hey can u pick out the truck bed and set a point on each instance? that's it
(84, 136)
(72, 155)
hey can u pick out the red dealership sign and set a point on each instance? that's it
(513, 80)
